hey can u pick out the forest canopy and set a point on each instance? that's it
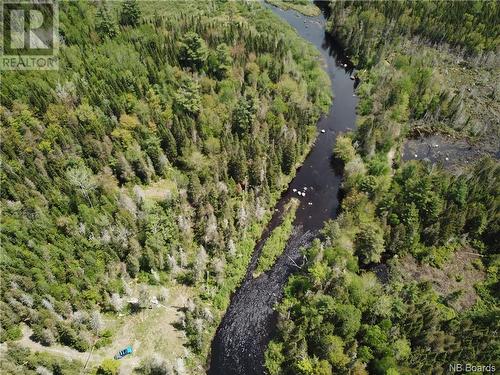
(367, 29)
(153, 154)
(405, 279)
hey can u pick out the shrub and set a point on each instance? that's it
(343, 149)
(108, 367)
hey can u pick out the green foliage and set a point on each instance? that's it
(137, 154)
(305, 7)
(108, 367)
(12, 333)
(276, 242)
(105, 25)
(334, 347)
(68, 336)
(274, 358)
(288, 158)
(193, 51)
(237, 166)
(244, 113)
(220, 61)
(188, 98)
(343, 149)
(20, 360)
(369, 243)
(427, 206)
(348, 318)
(336, 310)
(368, 29)
(389, 329)
(130, 13)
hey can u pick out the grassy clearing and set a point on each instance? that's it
(276, 242)
(150, 331)
(449, 280)
(160, 190)
(305, 7)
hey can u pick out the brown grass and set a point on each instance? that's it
(457, 274)
(148, 332)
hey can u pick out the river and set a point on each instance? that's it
(249, 323)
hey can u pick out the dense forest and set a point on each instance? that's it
(154, 154)
(153, 158)
(369, 29)
(363, 303)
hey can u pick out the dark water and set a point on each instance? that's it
(249, 323)
(452, 154)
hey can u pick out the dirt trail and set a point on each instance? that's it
(57, 350)
(145, 332)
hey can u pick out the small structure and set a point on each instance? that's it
(124, 352)
(323, 130)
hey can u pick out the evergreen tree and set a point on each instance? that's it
(130, 13)
(220, 61)
(169, 145)
(244, 113)
(187, 97)
(369, 243)
(238, 166)
(193, 51)
(288, 159)
(194, 189)
(105, 25)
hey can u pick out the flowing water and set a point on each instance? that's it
(249, 323)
